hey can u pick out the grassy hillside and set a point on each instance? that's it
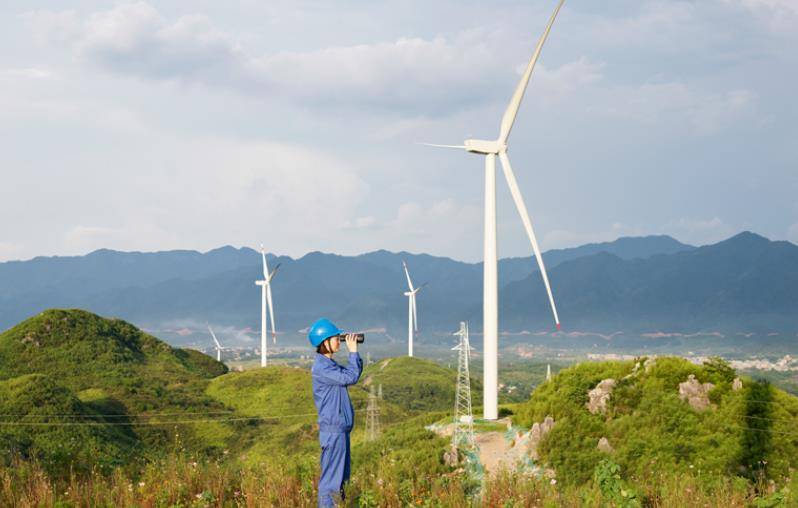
(285, 392)
(750, 432)
(416, 384)
(118, 374)
(36, 399)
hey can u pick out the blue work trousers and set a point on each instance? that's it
(334, 467)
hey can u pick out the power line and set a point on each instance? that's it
(152, 423)
(115, 415)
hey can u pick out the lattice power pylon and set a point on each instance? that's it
(372, 417)
(463, 432)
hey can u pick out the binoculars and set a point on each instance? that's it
(361, 338)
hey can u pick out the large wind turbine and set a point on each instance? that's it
(491, 149)
(412, 314)
(218, 346)
(266, 299)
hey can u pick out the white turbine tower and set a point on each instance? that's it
(266, 299)
(219, 347)
(412, 314)
(491, 149)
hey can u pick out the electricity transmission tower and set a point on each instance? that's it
(372, 417)
(463, 432)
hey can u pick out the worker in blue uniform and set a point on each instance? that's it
(336, 415)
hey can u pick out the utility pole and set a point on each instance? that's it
(372, 417)
(463, 432)
(368, 357)
(379, 392)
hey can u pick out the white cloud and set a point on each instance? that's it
(10, 250)
(554, 85)
(705, 113)
(407, 73)
(25, 73)
(699, 231)
(781, 16)
(792, 233)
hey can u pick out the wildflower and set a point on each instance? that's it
(691, 466)
(141, 484)
(554, 481)
(199, 496)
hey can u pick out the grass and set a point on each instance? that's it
(189, 482)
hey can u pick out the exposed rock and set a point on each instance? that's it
(649, 364)
(599, 396)
(737, 384)
(450, 457)
(605, 446)
(695, 393)
(528, 443)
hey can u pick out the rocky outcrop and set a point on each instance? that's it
(451, 457)
(695, 393)
(605, 446)
(527, 444)
(599, 396)
(737, 384)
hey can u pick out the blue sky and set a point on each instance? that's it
(161, 125)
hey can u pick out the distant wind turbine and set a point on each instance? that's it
(219, 347)
(491, 149)
(266, 299)
(412, 313)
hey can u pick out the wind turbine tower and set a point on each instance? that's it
(266, 300)
(412, 314)
(492, 149)
(463, 433)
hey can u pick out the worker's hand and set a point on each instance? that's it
(351, 342)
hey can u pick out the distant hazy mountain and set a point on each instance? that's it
(647, 284)
(746, 283)
(218, 286)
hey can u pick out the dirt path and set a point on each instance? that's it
(494, 451)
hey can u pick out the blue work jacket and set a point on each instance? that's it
(330, 380)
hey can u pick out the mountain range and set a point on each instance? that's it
(746, 283)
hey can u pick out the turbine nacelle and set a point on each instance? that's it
(484, 147)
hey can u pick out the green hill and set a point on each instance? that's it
(284, 392)
(746, 432)
(417, 385)
(119, 374)
(38, 401)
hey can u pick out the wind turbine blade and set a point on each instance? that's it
(218, 346)
(421, 286)
(265, 265)
(522, 211)
(415, 314)
(271, 275)
(512, 109)
(271, 310)
(442, 146)
(409, 283)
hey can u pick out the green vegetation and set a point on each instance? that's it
(417, 385)
(746, 433)
(160, 426)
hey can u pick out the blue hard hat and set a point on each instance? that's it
(321, 330)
